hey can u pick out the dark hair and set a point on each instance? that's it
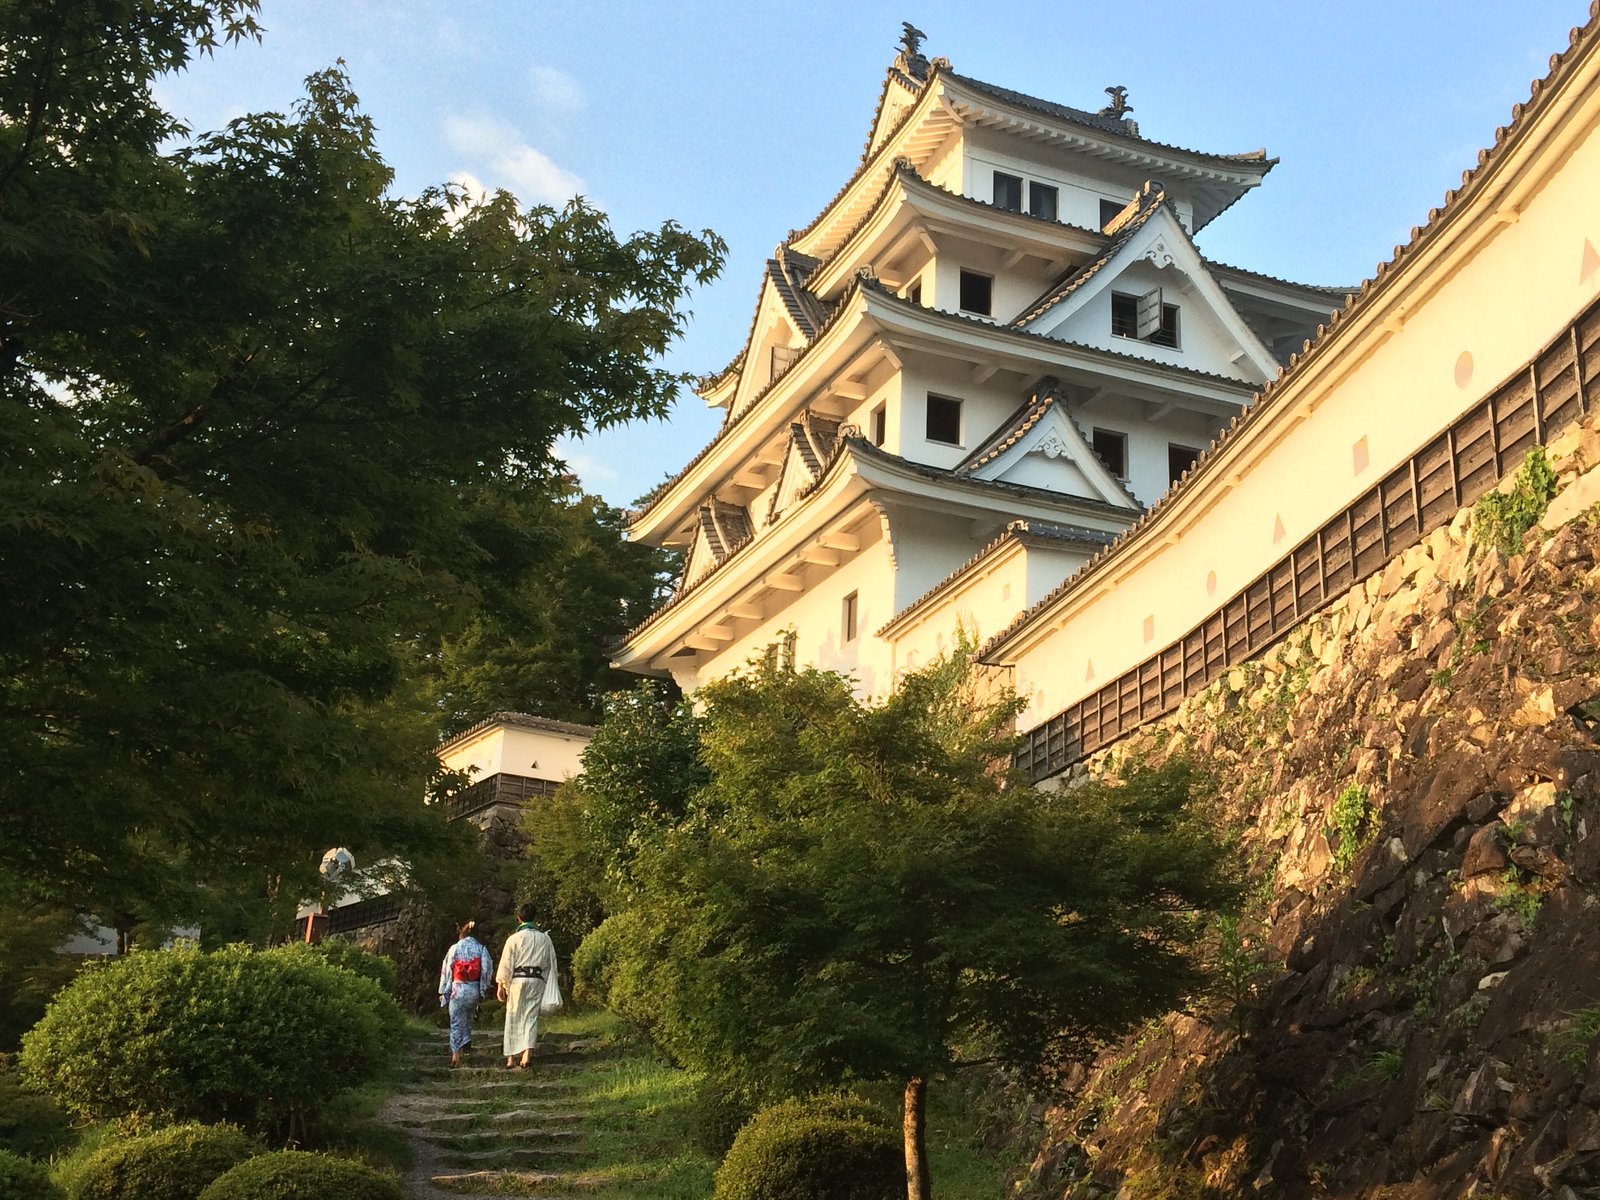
(525, 913)
(465, 928)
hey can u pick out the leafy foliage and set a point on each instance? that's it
(349, 957)
(300, 1175)
(263, 1039)
(32, 1125)
(278, 442)
(1353, 820)
(859, 892)
(562, 875)
(639, 774)
(822, 1148)
(546, 652)
(1504, 517)
(176, 1163)
(31, 970)
(23, 1179)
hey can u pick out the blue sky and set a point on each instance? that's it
(747, 118)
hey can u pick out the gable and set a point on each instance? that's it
(897, 98)
(812, 441)
(720, 529)
(1046, 449)
(1155, 267)
(776, 339)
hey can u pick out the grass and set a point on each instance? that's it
(647, 1131)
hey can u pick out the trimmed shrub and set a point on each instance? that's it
(23, 1179)
(175, 1163)
(259, 1039)
(377, 967)
(31, 1125)
(832, 1147)
(301, 1175)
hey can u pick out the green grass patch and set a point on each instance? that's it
(642, 1122)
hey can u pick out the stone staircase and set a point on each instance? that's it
(480, 1130)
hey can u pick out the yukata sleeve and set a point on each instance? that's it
(502, 973)
(446, 984)
(488, 966)
(552, 981)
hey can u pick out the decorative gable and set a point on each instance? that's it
(787, 317)
(1151, 295)
(812, 443)
(720, 530)
(1041, 446)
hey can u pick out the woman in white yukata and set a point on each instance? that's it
(526, 981)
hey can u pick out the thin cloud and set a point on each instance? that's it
(556, 91)
(500, 157)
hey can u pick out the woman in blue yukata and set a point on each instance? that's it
(463, 981)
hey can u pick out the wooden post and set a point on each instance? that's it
(918, 1184)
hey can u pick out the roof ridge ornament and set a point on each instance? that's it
(911, 59)
(1119, 102)
(1119, 108)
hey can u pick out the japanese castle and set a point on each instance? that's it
(992, 350)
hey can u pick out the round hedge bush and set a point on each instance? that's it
(175, 1163)
(833, 1147)
(301, 1175)
(261, 1039)
(23, 1179)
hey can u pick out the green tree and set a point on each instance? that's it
(272, 435)
(545, 648)
(640, 774)
(867, 892)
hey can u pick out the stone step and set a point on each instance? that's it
(487, 1120)
(522, 1080)
(511, 1183)
(531, 1137)
(514, 1156)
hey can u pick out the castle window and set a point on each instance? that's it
(1042, 200)
(1112, 447)
(1109, 210)
(1130, 313)
(1008, 191)
(1179, 460)
(847, 619)
(880, 425)
(977, 293)
(944, 420)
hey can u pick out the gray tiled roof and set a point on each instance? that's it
(1149, 202)
(1102, 123)
(521, 720)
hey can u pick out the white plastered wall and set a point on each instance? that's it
(1081, 188)
(816, 616)
(1147, 440)
(515, 750)
(1497, 308)
(983, 602)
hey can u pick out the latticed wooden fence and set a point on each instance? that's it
(1424, 492)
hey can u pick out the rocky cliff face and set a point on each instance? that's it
(1409, 1006)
